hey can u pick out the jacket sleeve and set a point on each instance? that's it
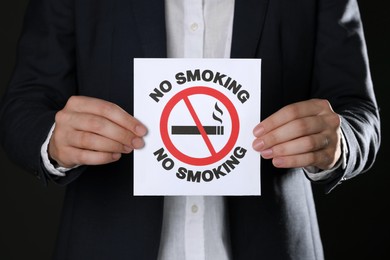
(43, 80)
(342, 75)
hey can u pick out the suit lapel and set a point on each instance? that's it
(249, 17)
(150, 19)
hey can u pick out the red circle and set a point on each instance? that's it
(193, 160)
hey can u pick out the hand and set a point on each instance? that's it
(299, 135)
(91, 131)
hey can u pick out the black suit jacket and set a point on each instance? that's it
(310, 49)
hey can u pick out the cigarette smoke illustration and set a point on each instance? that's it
(220, 111)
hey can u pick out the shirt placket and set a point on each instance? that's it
(194, 228)
(194, 29)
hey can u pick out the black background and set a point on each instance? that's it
(354, 218)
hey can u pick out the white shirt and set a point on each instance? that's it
(194, 227)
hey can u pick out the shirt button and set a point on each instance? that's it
(194, 208)
(194, 26)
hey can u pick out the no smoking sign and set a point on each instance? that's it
(200, 114)
(189, 103)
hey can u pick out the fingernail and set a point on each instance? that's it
(141, 130)
(258, 145)
(266, 153)
(127, 149)
(137, 143)
(278, 162)
(258, 131)
(116, 156)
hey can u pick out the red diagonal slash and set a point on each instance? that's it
(199, 125)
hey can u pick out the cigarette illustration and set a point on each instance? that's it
(193, 130)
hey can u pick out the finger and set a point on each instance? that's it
(88, 157)
(291, 112)
(297, 146)
(290, 131)
(321, 159)
(103, 127)
(107, 110)
(90, 141)
(69, 157)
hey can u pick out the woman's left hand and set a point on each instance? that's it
(302, 134)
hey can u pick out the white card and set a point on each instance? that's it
(200, 114)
